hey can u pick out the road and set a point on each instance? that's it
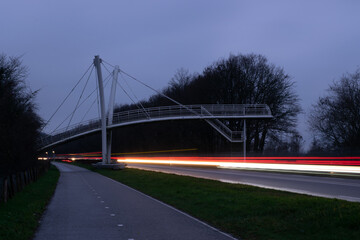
(330, 187)
(87, 205)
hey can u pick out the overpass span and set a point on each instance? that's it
(108, 121)
(211, 113)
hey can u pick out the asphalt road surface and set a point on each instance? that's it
(87, 205)
(330, 187)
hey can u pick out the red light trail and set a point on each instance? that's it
(317, 164)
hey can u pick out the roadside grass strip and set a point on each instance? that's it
(19, 217)
(247, 212)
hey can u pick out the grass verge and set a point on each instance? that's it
(245, 211)
(19, 217)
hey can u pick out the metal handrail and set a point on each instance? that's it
(155, 113)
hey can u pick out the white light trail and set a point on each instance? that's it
(257, 166)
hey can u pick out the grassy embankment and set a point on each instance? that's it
(19, 217)
(245, 211)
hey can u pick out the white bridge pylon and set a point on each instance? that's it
(106, 136)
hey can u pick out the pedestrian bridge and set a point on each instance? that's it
(211, 113)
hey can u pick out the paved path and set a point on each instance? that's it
(87, 205)
(330, 187)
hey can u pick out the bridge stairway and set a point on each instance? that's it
(225, 131)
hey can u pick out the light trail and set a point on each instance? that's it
(304, 164)
(330, 165)
(294, 167)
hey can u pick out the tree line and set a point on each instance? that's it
(335, 117)
(246, 79)
(19, 122)
(238, 79)
(241, 79)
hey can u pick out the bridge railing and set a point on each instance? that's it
(71, 131)
(216, 110)
(178, 111)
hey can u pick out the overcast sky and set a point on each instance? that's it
(316, 42)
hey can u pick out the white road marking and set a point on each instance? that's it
(113, 215)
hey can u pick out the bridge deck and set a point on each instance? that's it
(210, 111)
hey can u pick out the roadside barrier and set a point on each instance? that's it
(13, 183)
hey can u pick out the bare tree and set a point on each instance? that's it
(315, 147)
(251, 79)
(239, 79)
(179, 86)
(286, 143)
(335, 118)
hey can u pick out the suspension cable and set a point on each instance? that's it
(67, 97)
(106, 80)
(146, 85)
(127, 84)
(107, 63)
(139, 102)
(82, 92)
(169, 98)
(106, 67)
(143, 109)
(78, 107)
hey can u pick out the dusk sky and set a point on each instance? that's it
(316, 42)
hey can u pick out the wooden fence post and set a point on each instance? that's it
(13, 183)
(5, 190)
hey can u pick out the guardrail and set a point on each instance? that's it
(209, 111)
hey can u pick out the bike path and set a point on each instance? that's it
(87, 205)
